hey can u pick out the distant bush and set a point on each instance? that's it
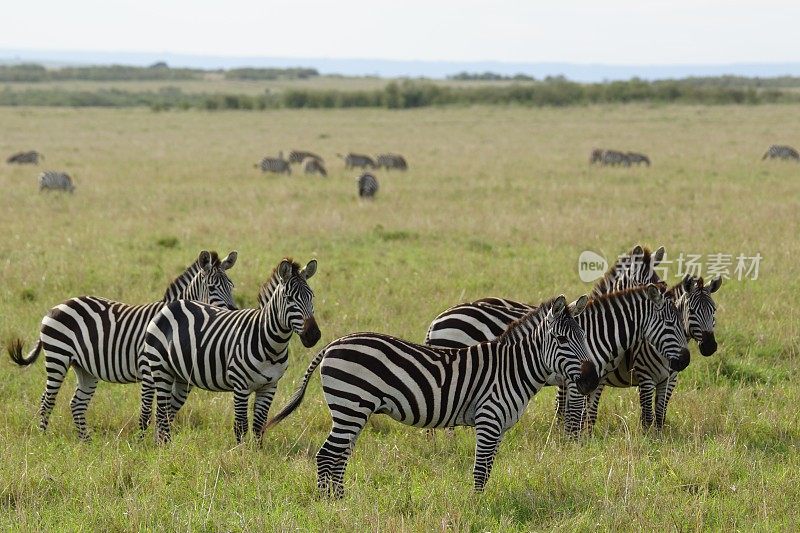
(294, 73)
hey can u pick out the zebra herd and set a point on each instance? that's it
(479, 366)
(627, 159)
(314, 164)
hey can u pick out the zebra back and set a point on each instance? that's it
(297, 156)
(276, 165)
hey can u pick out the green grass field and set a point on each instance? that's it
(498, 201)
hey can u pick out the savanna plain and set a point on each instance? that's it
(498, 201)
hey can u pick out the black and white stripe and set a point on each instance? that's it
(486, 386)
(30, 157)
(614, 158)
(646, 367)
(779, 151)
(314, 166)
(298, 156)
(51, 180)
(352, 160)
(392, 162)
(244, 351)
(275, 165)
(102, 339)
(367, 185)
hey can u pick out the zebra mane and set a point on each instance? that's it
(269, 286)
(611, 273)
(182, 280)
(518, 325)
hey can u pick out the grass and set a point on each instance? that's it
(498, 201)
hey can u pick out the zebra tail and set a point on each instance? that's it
(15, 351)
(297, 397)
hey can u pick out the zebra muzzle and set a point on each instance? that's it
(310, 334)
(708, 344)
(588, 380)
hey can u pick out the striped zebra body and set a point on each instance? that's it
(245, 351)
(314, 166)
(298, 156)
(275, 165)
(614, 158)
(101, 339)
(392, 161)
(636, 158)
(778, 151)
(352, 160)
(367, 185)
(25, 158)
(51, 180)
(645, 367)
(486, 386)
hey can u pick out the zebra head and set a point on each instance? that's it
(212, 280)
(699, 313)
(639, 269)
(298, 300)
(663, 328)
(565, 348)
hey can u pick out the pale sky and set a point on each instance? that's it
(608, 31)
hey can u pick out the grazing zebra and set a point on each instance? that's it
(596, 156)
(367, 185)
(352, 160)
(392, 161)
(614, 158)
(778, 151)
(298, 156)
(55, 181)
(644, 366)
(101, 339)
(244, 351)
(486, 386)
(314, 166)
(636, 158)
(25, 158)
(277, 165)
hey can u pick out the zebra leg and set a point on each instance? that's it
(263, 402)
(348, 421)
(87, 384)
(240, 397)
(56, 371)
(180, 392)
(148, 391)
(163, 385)
(663, 394)
(561, 403)
(487, 439)
(646, 389)
(593, 402)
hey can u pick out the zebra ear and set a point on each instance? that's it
(715, 284)
(310, 269)
(204, 260)
(559, 304)
(577, 307)
(654, 294)
(285, 270)
(637, 250)
(689, 283)
(658, 256)
(229, 261)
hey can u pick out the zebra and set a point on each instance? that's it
(367, 185)
(101, 339)
(779, 151)
(636, 158)
(276, 165)
(612, 322)
(392, 161)
(614, 157)
(644, 366)
(298, 156)
(30, 157)
(486, 386)
(314, 166)
(55, 181)
(352, 160)
(596, 156)
(244, 351)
